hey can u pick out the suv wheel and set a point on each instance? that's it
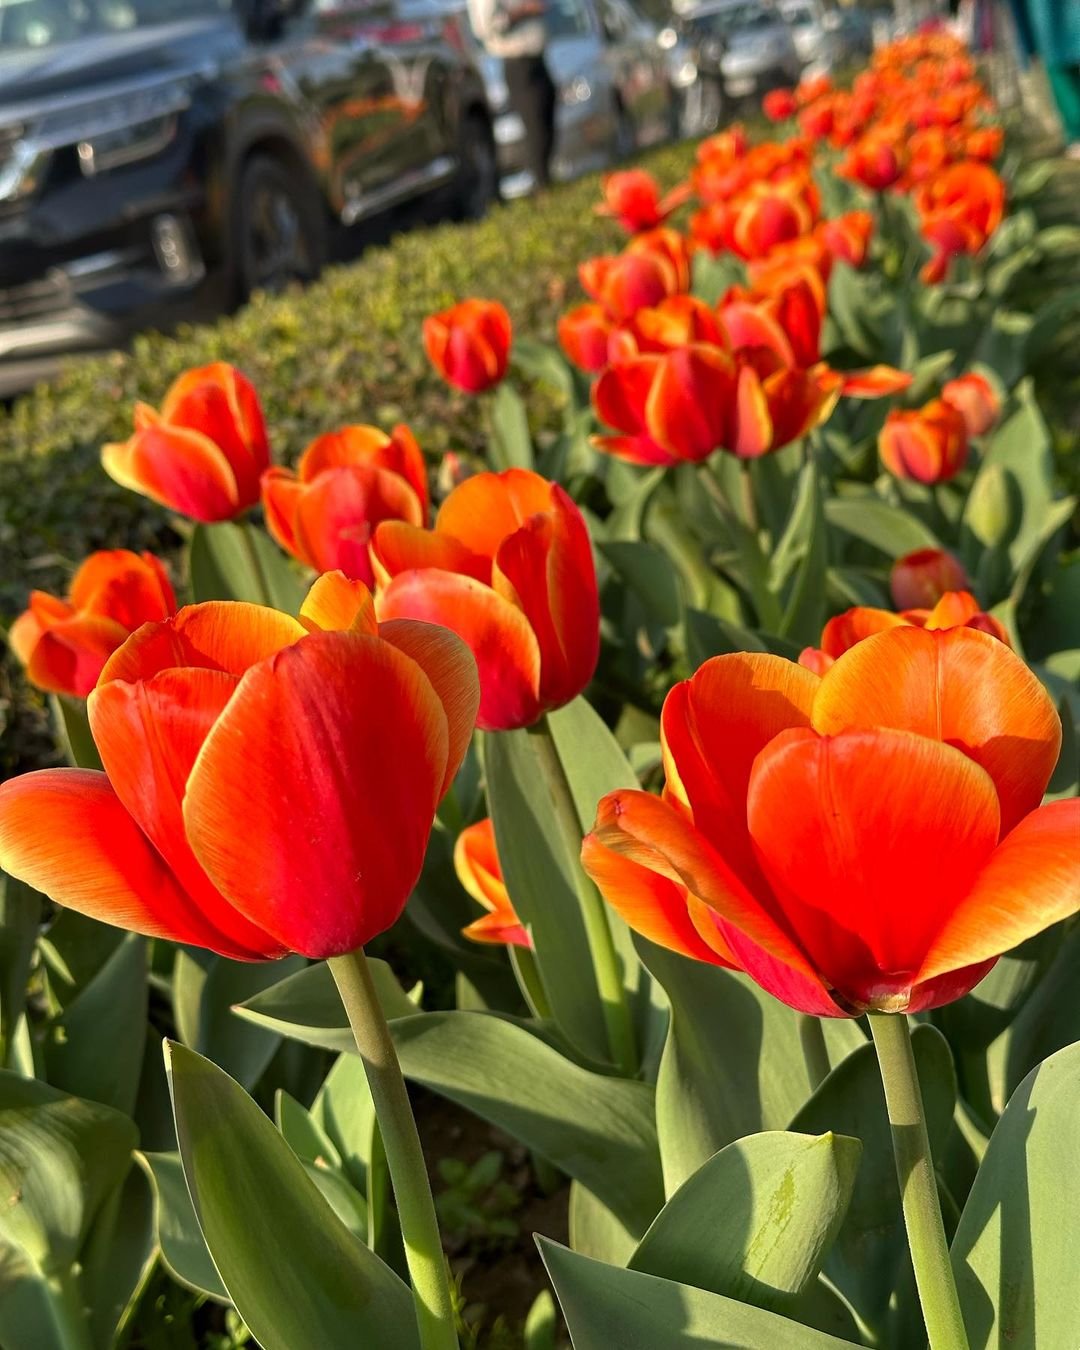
(279, 230)
(477, 185)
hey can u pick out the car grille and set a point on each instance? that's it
(34, 299)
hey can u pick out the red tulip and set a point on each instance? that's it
(469, 344)
(775, 848)
(959, 209)
(779, 104)
(584, 333)
(65, 643)
(633, 198)
(977, 401)
(203, 454)
(674, 322)
(874, 161)
(266, 788)
(346, 482)
(919, 579)
(477, 865)
(928, 444)
(509, 568)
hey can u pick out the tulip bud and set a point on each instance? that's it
(779, 104)
(977, 401)
(469, 344)
(918, 580)
(927, 444)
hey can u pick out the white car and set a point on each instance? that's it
(748, 40)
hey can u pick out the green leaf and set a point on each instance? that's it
(800, 560)
(649, 573)
(733, 1063)
(73, 732)
(59, 1159)
(596, 1129)
(307, 1006)
(782, 1197)
(296, 1274)
(1020, 448)
(595, 1231)
(889, 528)
(183, 1249)
(1050, 1018)
(94, 1049)
(709, 635)
(118, 1256)
(20, 917)
(1014, 1253)
(869, 1259)
(606, 1306)
(511, 444)
(234, 560)
(541, 1325)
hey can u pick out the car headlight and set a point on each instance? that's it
(577, 90)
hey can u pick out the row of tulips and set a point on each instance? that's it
(811, 805)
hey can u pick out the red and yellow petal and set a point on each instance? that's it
(338, 511)
(484, 509)
(180, 469)
(960, 686)
(337, 604)
(69, 657)
(317, 833)
(281, 494)
(396, 546)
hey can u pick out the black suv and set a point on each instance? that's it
(145, 144)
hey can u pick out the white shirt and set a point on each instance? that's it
(489, 22)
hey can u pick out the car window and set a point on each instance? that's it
(35, 24)
(733, 18)
(567, 18)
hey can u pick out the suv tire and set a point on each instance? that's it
(278, 227)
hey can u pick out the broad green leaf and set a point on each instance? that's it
(73, 949)
(1014, 1253)
(511, 444)
(59, 1159)
(73, 732)
(542, 361)
(20, 917)
(94, 1049)
(118, 1256)
(303, 1134)
(869, 1259)
(598, 1130)
(649, 573)
(709, 635)
(541, 1325)
(607, 1307)
(234, 560)
(183, 1248)
(1048, 1021)
(889, 528)
(1021, 449)
(307, 1007)
(733, 1064)
(800, 561)
(34, 1314)
(782, 1197)
(296, 1274)
(595, 1231)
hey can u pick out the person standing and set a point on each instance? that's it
(515, 31)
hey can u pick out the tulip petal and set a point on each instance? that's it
(336, 604)
(505, 647)
(317, 833)
(181, 469)
(689, 407)
(497, 927)
(129, 588)
(960, 686)
(69, 657)
(484, 509)
(281, 493)
(875, 382)
(228, 635)
(869, 839)
(621, 391)
(634, 449)
(66, 833)
(1031, 880)
(337, 513)
(753, 424)
(397, 546)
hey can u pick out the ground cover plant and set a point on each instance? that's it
(663, 752)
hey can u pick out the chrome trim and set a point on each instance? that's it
(418, 180)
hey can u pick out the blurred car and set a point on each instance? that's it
(148, 144)
(699, 99)
(825, 37)
(744, 44)
(614, 90)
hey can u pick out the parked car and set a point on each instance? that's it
(744, 45)
(827, 37)
(614, 90)
(145, 144)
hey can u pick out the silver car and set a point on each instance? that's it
(747, 40)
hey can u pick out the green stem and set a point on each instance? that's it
(745, 535)
(749, 502)
(918, 1186)
(408, 1173)
(605, 960)
(247, 534)
(815, 1052)
(66, 1307)
(527, 972)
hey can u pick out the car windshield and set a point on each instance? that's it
(732, 19)
(30, 25)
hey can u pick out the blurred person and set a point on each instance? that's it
(515, 31)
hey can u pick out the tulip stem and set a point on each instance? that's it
(918, 1185)
(609, 981)
(247, 532)
(408, 1173)
(815, 1051)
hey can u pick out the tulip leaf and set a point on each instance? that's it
(118, 1256)
(20, 918)
(94, 1048)
(733, 1064)
(60, 1157)
(297, 1275)
(234, 560)
(782, 1197)
(1048, 1021)
(73, 732)
(1014, 1253)
(179, 1237)
(306, 1006)
(889, 528)
(606, 1306)
(800, 560)
(595, 1231)
(649, 573)
(869, 1259)
(511, 444)
(1021, 449)
(598, 1130)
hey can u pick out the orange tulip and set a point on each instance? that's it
(674, 322)
(928, 444)
(977, 401)
(203, 453)
(918, 580)
(268, 787)
(847, 237)
(469, 344)
(508, 567)
(631, 281)
(687, 403)
(584, 333)
(766, 216)
(775, 849)
(346, 482)
(959, 209)
(779, 104)
(477, 865)
(874, 161)
(984, 143)
(65, 643)
(632, 197)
